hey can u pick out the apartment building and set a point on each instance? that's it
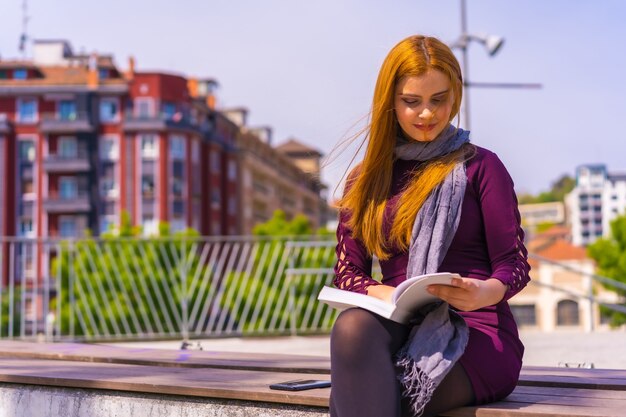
(597, 198)
(81, 141)
(270, 180)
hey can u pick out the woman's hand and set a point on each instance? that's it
(380, 291)
(469, 294)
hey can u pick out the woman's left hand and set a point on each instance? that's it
(469, 294)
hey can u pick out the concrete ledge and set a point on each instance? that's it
(43, 401)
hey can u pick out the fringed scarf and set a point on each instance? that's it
(439, 336)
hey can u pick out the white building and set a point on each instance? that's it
(596, 200)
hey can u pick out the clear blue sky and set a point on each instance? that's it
(308, 68)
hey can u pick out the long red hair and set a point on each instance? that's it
(368, 186)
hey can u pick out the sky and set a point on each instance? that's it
(308, 69)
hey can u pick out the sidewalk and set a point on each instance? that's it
(602, 349)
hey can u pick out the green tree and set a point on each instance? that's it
(557, 192)
(123, 284)
(279, 298)
(278, 225)
(610, 256)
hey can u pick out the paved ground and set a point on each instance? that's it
(602, 349)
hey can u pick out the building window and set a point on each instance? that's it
(232, 206)
(108, 149)
(3, 74)
(567, 313)
(20, 74)
(232, 170)
(215, 162)
(195, 152)
(108, 187)
(109, 110)
(215, 198)
(68, 188)
(178, 208)
(67, 148)
(26, 228)
(67, 110)
(27, 151)
(525, 315)
(144, 107)
(103, 73)
(149, 146)
(177, 147)
(67, 227)
(28, 187)
(27, 110)
(177, 187)
(147, 185)
(169, 110)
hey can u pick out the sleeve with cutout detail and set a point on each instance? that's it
(353, 269)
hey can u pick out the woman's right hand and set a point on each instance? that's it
(381, 291)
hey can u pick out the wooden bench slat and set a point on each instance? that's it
(164, 357)
(576, 372)
(571, 392)
(513, 409)
(215, 383)
(583, 401)
(589, 382)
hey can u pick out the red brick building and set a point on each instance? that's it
(81, 142)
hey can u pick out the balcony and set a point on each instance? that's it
(79, 204)
(71, 122)
(58, 163)
(5, 126)
(160, 122)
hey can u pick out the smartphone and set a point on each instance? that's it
(300, 384)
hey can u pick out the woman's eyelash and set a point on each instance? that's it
(433, 101)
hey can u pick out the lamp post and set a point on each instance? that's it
(492, 44)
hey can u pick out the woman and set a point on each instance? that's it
(424, 200)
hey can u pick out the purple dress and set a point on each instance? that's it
(488, 243)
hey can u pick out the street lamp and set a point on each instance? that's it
(492, 44)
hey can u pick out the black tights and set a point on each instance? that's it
(363, 375)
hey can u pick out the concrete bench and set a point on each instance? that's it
(87, 380)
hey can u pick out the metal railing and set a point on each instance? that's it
(174, 288)
(158, 288)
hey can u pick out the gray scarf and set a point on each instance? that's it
(439, 336)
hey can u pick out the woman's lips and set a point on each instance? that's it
(425, 128)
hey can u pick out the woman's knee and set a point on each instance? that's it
(353, 326)
(358, 329)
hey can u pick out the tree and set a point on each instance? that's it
(559, 189)
(278, 225)
(610, 256)
(266, 296)
(122, 284)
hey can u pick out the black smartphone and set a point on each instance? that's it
(300, 384)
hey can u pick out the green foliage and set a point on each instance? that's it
(268, 297)
(557, 192)
(610, 256)
(542, 227)
(278, 225)
(122, 284)
(5, 309)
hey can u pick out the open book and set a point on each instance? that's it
(407, 298)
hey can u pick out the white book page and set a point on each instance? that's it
(429, 279)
